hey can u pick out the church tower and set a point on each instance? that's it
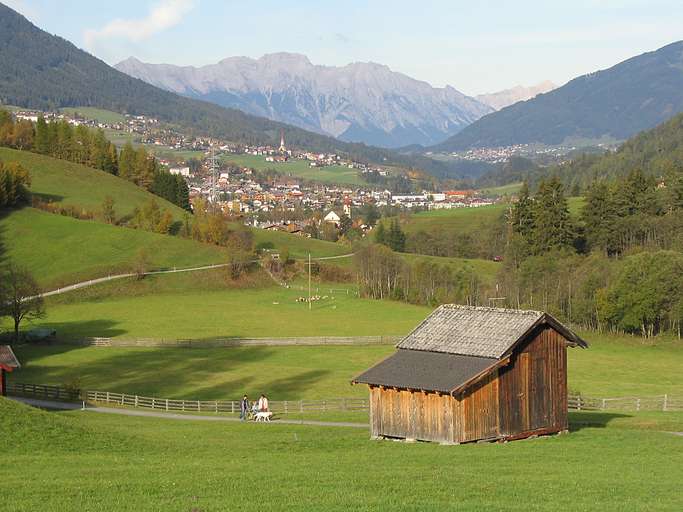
(282, 149)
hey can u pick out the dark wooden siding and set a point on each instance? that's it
(411, 414)
(533, 388)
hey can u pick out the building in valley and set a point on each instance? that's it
(473, 373)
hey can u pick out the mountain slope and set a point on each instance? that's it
(618, 102)
(360, 102)
(43, 71)
(505, 98)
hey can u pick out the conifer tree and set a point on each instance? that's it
(553, 228)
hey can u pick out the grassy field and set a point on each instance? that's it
(504, 190)
(468, 219)
(198, 314)
(60, 250)
(485, 269)
(96, 114)
(611, 367)
(90, 461)
(67, 183)
(300, 168)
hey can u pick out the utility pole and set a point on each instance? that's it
(309, 281)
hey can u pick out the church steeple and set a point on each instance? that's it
(282, 149)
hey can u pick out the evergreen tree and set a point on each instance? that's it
(380, 234)
(182, 194)
(345, 224)
(127, 162)
(600, 218)
(523, 214)
(396, 239)
(41, 143)
(553, 228)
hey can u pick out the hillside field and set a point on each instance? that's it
(96, 114)
(334, 174)
(72, 184)
(60, 250)
(188, 313)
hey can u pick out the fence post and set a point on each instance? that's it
(666, 397)
(232, 407)
(603, 404)
(638, 404)
(301, 405)
(136, 400)
(167, 405)
(199, 406)
(578, 403)
(107, 396)
(286, 407)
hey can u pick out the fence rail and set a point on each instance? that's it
(236, 342)
(575, 402)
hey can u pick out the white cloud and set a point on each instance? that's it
(164, 15)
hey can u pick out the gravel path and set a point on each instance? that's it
(49, 404)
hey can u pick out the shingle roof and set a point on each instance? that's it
(430, 371)
(477, 331)
(7, 357)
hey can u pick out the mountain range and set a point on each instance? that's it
(359, 102)
(43, 71)
(507, 97)
(614, 103)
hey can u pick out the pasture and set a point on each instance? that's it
(334, 174)
(96, 114)
(196, 313)
(61, 250)
(66, 183)
(90, 461)
(613, 366)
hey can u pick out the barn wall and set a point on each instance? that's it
(533, 388)
(411, 415)
(479, 411)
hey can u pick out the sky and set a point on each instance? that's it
(476, 46)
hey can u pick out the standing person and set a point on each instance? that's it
(263, 403)
(244, 407)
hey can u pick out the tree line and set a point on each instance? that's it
(14, 184)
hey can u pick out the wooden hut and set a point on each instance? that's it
(8, 362)
(473, 373)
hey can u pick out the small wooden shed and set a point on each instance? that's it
(8, 362)
(473, 373)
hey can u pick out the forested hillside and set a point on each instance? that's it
(616, 103)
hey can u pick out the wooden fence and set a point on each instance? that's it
(237, 342)
(575, 402)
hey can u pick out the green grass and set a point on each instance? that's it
(503, 190)
(484, 269)
(259, 312)
(60, 250)
(90, 461)
(67, 183)
(611, 367)
(96, 114)
(299, 246)
(334, 174)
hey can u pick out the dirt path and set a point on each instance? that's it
(49, 404)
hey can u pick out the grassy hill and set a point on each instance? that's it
(67, 183)
(61, 250)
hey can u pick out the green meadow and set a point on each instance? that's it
(90, 461)
(334, 174)
(96, 114)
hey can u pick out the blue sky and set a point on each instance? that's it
(475, 45)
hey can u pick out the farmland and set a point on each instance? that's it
(197, 314)
(96, 114)
(290, 373)
(300, 168)
(95, 461)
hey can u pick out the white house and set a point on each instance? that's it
(332, 218)
(182, 171)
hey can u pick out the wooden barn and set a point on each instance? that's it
(473, 373)
(8, 362)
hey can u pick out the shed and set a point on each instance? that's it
(8, 362)
(473, 373)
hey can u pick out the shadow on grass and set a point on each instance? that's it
(592, 419)
(178, 373)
